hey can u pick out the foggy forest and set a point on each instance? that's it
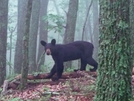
(66, 50)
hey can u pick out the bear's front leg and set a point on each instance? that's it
(59, 71)
(52, 72)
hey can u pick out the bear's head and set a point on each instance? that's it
(49, 47)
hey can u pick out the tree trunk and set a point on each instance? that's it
(25, 62)
(11, 31)
(70, 25)
(42, 32)
(95, 29)
(3, 38)
(20, 31)
(56, 7)
(33, 35)
(58, 13)
(87, 15)
(132, 29)
(88, 29)
(114, 72)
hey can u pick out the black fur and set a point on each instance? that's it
(66, 52)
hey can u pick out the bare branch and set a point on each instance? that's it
(86, 19)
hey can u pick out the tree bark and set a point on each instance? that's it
(3, 38)
(25, 63)
(71, 24)
(33, 35)
(132, 29)
(114, 72)
(20, 31)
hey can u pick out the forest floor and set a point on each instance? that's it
(72, 89)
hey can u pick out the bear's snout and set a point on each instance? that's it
(48, 51)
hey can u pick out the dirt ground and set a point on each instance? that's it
(72, 89)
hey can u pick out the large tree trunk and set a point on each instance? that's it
(33, 35)
(114, 72)
(132, 29)
(3, 38)
(42, 32)
(25, 63)
(71, 24)
(20, 31)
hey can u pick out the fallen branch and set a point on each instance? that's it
(5, 86)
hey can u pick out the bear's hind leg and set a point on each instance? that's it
(93, 63)
(83, 66)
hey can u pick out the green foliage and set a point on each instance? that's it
(9, 64)
(1, 89)
(69, 69)
(56, 22)
(88, 88)
(9, 47)
(132, 99)
(46, 67)
(44, 98)
(16, 99)
(11, 99)
(11, 77)
(132, 29)
(122, 25)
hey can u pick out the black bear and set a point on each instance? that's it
(61, 53)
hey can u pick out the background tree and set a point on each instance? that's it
(3, 38)
(90, 22)
(11, 31)
(60, 22)
(33, 35)
(114, 73)
(20, 31)
(11, 36)
(25, 62)
(42, 32)
(71, 24)
(95, 33)
(86, 18)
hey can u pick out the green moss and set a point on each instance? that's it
(114, 73)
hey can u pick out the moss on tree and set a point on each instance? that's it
(114, 73)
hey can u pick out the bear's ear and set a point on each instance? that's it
(53, 42)
(43, 43)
